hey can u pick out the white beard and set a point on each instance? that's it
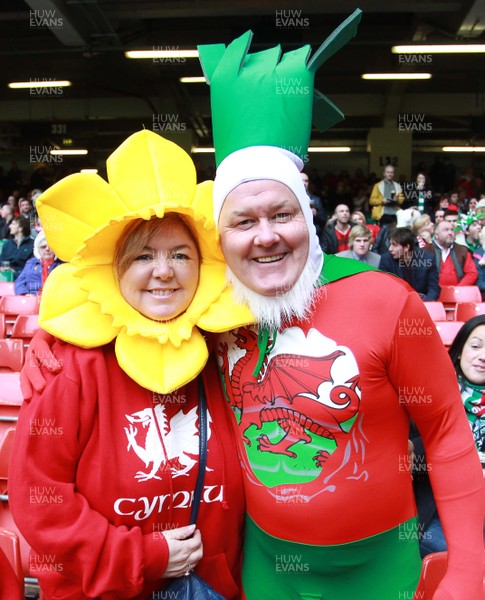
(274, 312)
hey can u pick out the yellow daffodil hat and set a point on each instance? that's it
(83, 218)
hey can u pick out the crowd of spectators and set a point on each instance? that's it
(25, 256)
(339, 203)
(427, 231)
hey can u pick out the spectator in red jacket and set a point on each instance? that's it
(455, 262)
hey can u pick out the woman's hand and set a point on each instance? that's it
(184, 551)
(426, 236)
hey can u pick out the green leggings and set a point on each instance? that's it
(381, 567)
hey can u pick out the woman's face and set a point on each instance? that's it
(472, 204)
(420, 180)
(357, 219)
(428, 226)
(444, 203)
(161, 281)
(472, 360)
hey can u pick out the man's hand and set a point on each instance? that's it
(38, 355)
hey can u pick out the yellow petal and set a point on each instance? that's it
(148, 170)
(74, 208)
(225, 314)
(161, 368)
(203, 215)
(66, 312)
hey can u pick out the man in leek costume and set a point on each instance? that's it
(323, 387)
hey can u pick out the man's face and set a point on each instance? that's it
(389, 173)
(305, 180)
(361, 246)
(264, 236)
(25, 206)
(454, 198)
(342, 214)
(14, 227)
(473, 232)
(445, 234)
(397, 251)
(453, 219)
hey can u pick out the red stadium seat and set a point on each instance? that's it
(25, 326)
(7, 522)
(2, 325)
(10, 393)
(10, 401)
(436, 310)
(456, 293)
(432, 572)
(448, 331)
(5, 451)
(6, 288)
(10, 545)
(11, 355)
(19, 305)
(12, 306)
(468, 310)
(451, 295)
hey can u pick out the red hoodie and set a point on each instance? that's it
(94, 482)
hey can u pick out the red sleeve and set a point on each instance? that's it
(452, 459)
(83, 544)
(471, 274)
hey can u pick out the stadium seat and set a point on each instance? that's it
(25, 326)
(468, 310)
(10, 545)
(6, 289)
(11, 355)
(5, 450)
(448, 331)
(432, 572)
(456, 293)
(19, 305)
(451, 295)
(2, 325)
(7, 522)
(10, 393)
(10, 403)
(12, 306)
(436, 310)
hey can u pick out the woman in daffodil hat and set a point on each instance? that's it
(114, 435)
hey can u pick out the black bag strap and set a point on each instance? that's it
(202, 451)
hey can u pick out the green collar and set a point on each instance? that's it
(336, 267)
